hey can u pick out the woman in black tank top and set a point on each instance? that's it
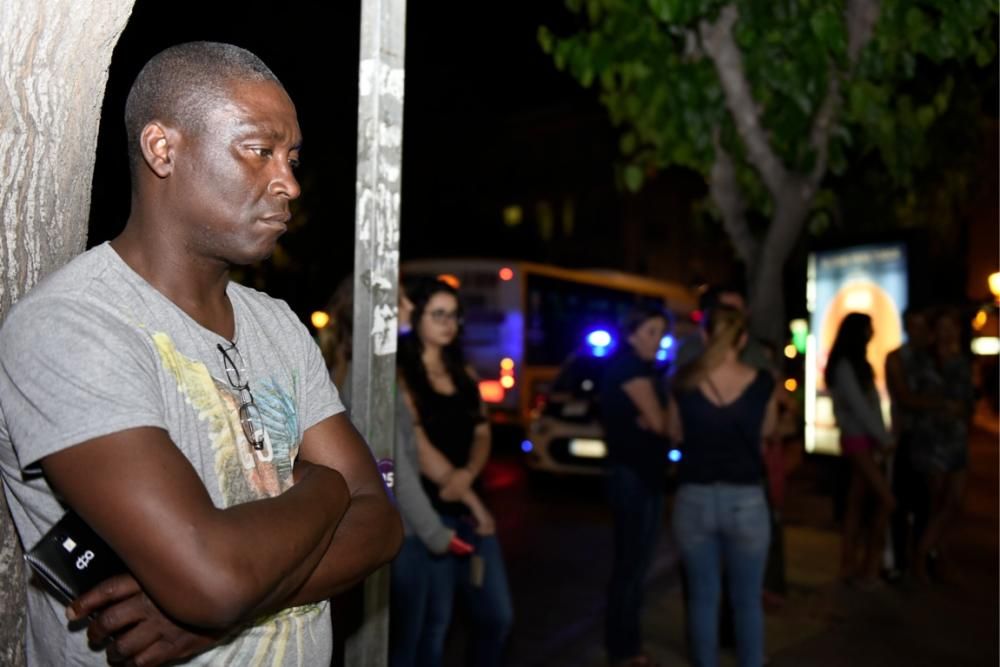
(721, 410)
(453, 439)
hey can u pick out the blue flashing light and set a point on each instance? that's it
(599, 338)
(601, 342)
(526, 446)
(666, 342)
(661, 355)
(674, 455)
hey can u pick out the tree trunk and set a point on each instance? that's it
(766, 277)
(767, 301)
(54, 59)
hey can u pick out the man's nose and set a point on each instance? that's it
(283, 183)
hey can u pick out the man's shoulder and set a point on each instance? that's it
(262, 315)
(74, 276)
(689, 348)
(72, 290)
(270, 313)
(257, 300)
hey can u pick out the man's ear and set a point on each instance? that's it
(156, 141)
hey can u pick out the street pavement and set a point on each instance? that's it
(821, 623)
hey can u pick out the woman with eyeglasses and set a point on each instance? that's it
(722, 409)
(453, 440)
(426, 535)
(863, 440)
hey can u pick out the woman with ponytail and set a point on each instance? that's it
(721, 410)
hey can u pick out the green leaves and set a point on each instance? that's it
(827, 26)
(646, 59)
(633, 177)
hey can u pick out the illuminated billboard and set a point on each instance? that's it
(870, 279)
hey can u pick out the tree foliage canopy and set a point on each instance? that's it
(765, 97)
(648, 58)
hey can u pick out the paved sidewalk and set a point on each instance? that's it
(953, 623)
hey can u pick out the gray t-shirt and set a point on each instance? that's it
(94, 349)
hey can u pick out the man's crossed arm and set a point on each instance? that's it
(214, 568)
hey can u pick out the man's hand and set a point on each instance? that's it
(457, 484)
(132, 629)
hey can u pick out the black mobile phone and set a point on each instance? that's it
(72, 558)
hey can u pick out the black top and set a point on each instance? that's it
(723, 443)
(450, 422)
(628, 443)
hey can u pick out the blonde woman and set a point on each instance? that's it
(721, 410)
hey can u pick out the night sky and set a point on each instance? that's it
(488, 122)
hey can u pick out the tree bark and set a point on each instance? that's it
(54, 59)
(767, 285)
(724, 190)
(721, 47)
(791, 193)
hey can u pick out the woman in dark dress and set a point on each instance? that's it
(634, 418)
(453, 441)
(721, 410)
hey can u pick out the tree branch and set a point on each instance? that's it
(718, 42)
(860, 17)
(725, 193)
(819, 135)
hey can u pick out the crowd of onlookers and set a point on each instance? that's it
(724, 405)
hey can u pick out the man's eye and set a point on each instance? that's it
(262, 152)
(295, 162)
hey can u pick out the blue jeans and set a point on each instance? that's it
(423, 594)
(408, 598)
(637, 509)
(723, 525)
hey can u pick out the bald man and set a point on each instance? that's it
(189, 420)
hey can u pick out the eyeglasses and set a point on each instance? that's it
(442, 316)
(250, 417)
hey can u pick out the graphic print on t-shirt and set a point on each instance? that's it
(243, 475)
